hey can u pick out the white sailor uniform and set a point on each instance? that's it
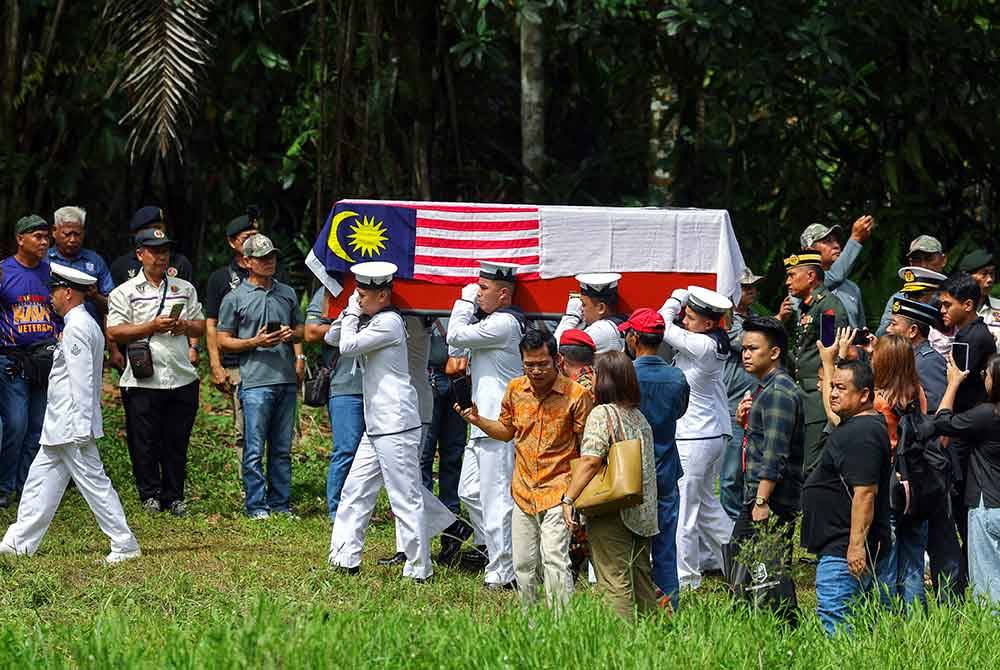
(702, 432)
(389, 452)
(488, 464)
(68, 450)
(604, 332)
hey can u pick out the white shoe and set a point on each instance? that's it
(259, 515)
(121, 556)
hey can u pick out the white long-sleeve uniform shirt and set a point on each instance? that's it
(73, 409)
(697, 357)
(494, 355)
(389, 397)
(418, 351)
(603, 332)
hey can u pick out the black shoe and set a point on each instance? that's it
(5, 499)
(346, 571)
(474, 559)
(449, 554)
(421, 580)
(509, 586)
(711, 572)
(396, 559)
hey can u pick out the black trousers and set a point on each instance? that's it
(159, 423)
(780, 597)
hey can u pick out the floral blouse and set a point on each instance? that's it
(597, 441)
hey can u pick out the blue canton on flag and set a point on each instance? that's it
(357, 232)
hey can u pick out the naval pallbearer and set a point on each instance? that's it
(493, 343)
(702, 348)
(593, 311)
(70, 430)
(389, 454)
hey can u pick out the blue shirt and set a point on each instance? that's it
(664, 398)
(88, 261)
(26, 315)
(932, 370)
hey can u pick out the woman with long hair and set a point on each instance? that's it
(619, 541)
(980, 427)
(897, 392)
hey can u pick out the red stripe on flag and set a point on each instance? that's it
(475, 226)
(443, 261)
(465, 279)
(448, 243)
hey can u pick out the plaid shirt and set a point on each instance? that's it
(774, 439)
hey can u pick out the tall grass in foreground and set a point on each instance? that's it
(710, 633)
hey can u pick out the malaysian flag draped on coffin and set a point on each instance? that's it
(443, 243)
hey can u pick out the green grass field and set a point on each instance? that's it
(215, 590)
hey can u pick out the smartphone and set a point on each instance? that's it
(175, 311)
(827, 329)
(861, 337)
(461, 391)
(273, 327)
(960, 352)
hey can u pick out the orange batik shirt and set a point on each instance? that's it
(547, 435)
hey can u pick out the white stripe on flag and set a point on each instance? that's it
(316, 265)
(420, 269)
(476, 253)
(472, 235)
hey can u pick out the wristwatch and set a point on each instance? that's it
(300, 357)
(196, 347)
(760, 502)
(566, 500)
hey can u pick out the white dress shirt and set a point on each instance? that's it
(494, 355)
(73, 408)
(137, 301)
(698, 358)
(389, 397)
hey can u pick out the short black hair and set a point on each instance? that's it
(770, 328)
(535, 339)
(962, 287)
(577, 353)
(922, 328)
(649, 340)
(861, 375)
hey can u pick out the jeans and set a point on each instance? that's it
(984, 552)
(269, 415)
(347, 423)
(731, 475)
(22, 408)
(446, 436)
(664, 545)
(838, 591)
(901, 574)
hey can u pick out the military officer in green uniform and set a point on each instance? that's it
(804, 279)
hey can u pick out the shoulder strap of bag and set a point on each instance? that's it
(163, 297)
(621, 425)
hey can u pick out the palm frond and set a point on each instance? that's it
(165, 45)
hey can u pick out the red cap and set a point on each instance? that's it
(575, 336)
(644, 320)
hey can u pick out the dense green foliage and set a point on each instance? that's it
(781, 111)
(216, 590)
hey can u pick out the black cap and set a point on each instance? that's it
(145, 216)
(152, 238)
(917, 311)
(239, 224)
(976, 260)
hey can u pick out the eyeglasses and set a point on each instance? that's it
(537, 366)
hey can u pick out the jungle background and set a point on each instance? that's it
(784, 112)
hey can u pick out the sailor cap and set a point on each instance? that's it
(374, 274)
(708, 303)
(62, 275)
(497, 270)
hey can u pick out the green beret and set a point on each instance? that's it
(239, 224)
(30, 223)
(974, 260)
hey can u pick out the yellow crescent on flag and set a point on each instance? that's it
(332, 240)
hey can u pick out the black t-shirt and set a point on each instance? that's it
(981, 347)
(856, 452)
(127, 266)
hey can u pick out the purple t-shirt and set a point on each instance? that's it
(26, 315)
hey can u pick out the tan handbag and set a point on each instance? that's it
(618, 484)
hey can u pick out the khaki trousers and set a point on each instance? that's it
(621, 560)
(540, 544)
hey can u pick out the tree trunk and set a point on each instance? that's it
(532, 100)
(8, 87)
(321, 148)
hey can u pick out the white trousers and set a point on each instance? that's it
(702, 525)
(541, 553)
(484, 488)
(48, 476)
(392, 461)
(438, 516)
